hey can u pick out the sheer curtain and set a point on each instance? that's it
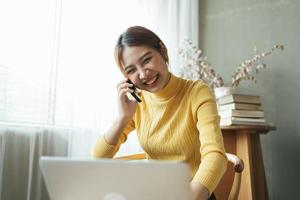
(58, 77)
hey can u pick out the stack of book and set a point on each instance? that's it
(240, 109)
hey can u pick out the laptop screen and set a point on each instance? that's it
(107, 179)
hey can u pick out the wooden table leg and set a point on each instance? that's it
(244, 151)
(248, 148)
(260, 182)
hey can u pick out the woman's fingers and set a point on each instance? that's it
(124, 91)
(124, 85)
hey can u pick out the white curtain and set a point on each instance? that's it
(173, 20)
(58, 77)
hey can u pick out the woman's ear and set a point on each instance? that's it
(164, 52)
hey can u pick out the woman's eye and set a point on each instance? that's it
(130, 71)
(147, 60)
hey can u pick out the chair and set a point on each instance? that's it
(238, 167)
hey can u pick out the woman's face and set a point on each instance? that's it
(145, 67)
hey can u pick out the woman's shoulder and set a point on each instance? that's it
(197, 86)
(199, 92)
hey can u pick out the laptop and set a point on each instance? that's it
(108, 179)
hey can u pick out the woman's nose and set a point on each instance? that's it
(143, 73)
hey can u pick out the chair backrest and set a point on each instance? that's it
(231, 178)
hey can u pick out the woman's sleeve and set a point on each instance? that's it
(101, 149)
(213, 157)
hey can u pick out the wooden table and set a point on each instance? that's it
(244, 141)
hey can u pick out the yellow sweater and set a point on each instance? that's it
(180, 122)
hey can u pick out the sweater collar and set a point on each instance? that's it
(169, 90)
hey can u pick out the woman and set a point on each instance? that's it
(177, 118)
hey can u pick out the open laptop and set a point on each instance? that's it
(107, 179)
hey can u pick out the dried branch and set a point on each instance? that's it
(196, 67)
(249, 68)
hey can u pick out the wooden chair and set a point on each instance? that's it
(237, 165)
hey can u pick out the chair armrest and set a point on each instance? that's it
(236, 161)
(238, 167)
(135, 156)
(238, 164)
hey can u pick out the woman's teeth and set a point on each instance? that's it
(151, 81)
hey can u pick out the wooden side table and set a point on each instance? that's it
(244, 141)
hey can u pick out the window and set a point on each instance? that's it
(25, 60)
(56, 57)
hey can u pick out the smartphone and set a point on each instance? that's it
(134, 93)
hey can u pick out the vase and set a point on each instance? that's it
(222, 91)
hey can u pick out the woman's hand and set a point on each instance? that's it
(199, 191)
(127, 107)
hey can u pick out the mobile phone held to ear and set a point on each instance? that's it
(134, 93)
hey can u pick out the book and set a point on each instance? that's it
(239, 106)
(239, 98)
(227, 121)
(241, 113)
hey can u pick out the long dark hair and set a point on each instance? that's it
(139, 36)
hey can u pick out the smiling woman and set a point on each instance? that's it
(167, 100)
(147, 69)
(144, 59)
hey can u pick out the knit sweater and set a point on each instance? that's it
(180, 122)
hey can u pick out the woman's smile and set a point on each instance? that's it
(151, 82)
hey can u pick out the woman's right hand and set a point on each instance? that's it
(127, 107)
